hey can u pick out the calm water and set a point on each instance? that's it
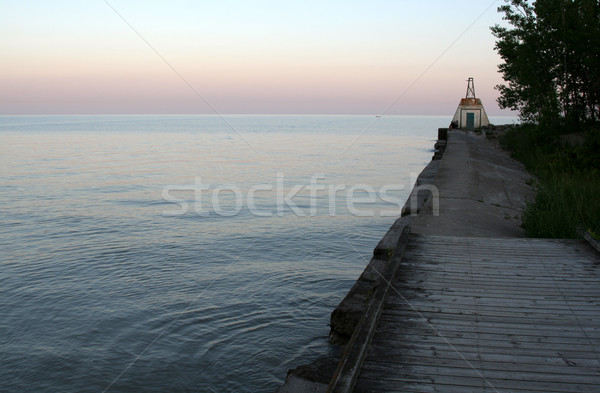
(109, 282)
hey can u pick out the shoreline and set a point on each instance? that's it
(315, 377)
(346, 316)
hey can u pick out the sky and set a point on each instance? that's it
(392, 57)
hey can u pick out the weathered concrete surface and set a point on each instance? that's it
(482, 191)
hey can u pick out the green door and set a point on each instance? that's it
(470, 120)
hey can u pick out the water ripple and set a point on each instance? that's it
(96, 280)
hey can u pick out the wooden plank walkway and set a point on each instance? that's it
(489, 315)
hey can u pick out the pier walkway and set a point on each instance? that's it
(472, 305)
(471, 314)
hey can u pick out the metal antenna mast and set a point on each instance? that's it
(470, 88)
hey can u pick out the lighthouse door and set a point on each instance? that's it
(470, 120)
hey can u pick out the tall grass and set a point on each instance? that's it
(568, 181)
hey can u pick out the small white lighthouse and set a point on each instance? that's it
(470, 113)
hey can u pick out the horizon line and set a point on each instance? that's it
(242, 114)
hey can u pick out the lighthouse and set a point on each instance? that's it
(470, 113)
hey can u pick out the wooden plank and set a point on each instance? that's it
(380, 351)
(569, 354)
(565, 313)
(507, 365)
(488, 272)
(501, 291)
(482, 300)
(450, 328)
(489, 324)
(489, 345)
(477, 370)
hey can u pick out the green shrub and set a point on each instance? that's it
(564, 205)
(568, 191)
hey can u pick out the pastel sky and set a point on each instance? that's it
(265, 57)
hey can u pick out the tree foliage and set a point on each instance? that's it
(551, 60)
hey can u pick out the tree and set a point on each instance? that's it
(551, 57)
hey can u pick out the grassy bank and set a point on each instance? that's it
(567, 170)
